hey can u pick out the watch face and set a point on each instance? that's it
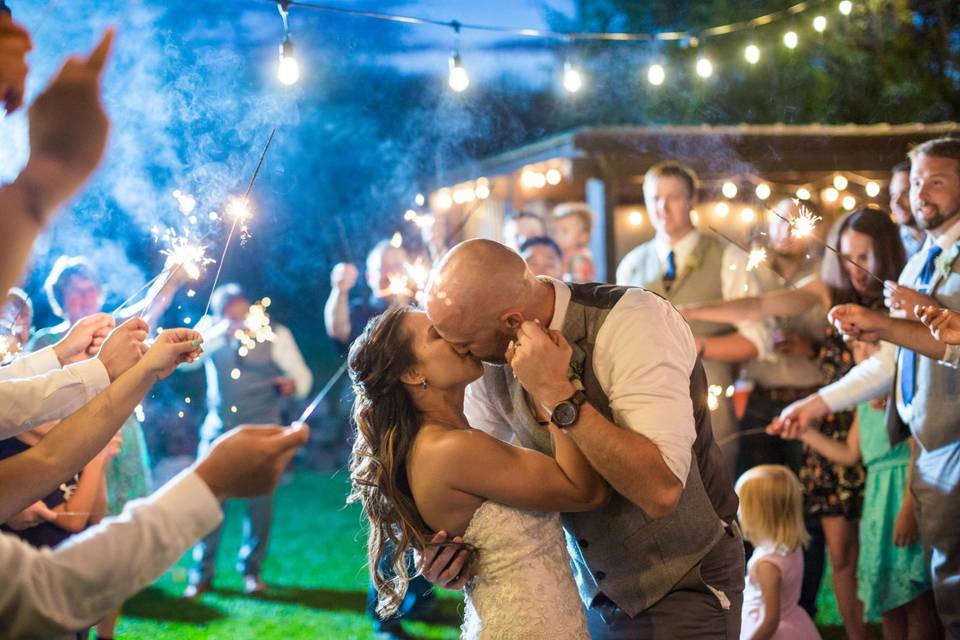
(565, 414)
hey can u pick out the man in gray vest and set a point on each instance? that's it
(664, 558)
(247, 382)
(925, 389)
(686, 266)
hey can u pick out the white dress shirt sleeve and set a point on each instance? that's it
(483, 414)
(287, 356)
(868, 380)
(31, 364)
(50, 593)
(737, 282)
(643, 358)
(56, 394)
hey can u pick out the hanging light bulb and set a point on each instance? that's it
(288, 70)
(752, 53)
(830, 194)
(803, 193)
(572, 80)
(729, 190)
(704, 67)
(790, 39)
(459, 80)
(872, 189)
(820, 24)
(845, 7)
(763, 191)
(748, 215)
(656, 74)
(635, 218)
(849, 203)
(840, 182)
(721, 209)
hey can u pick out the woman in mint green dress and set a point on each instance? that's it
(893, 580)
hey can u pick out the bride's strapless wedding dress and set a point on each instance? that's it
(524, 586)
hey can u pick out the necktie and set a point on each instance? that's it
(908, 368)
(671, 273)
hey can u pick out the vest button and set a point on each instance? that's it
(600, 575)
(583, 543)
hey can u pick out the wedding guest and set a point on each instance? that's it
(543, 256)
(518, 226)
(572, 228)
(244, 385)
(944, 325)
(771, 515)
(686, 266)
(910, 233)
(16, 323)
(925, 405)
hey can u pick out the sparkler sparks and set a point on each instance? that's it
(182, 253)
(256, 328)
(756, 257)
(803, 224)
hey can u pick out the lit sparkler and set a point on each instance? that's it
(256, 327)
(181, 252)
(756, 257)
(803, 224)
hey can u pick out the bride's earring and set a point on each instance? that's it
(423, 383)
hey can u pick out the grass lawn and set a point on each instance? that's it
(317, 574)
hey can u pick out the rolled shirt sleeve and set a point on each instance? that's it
(287, 356)
(31, 364)
(643, 358)
(737, 282)
(51, 593)
(55, 394)
(868, 380)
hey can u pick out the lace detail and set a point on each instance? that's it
(524, 587)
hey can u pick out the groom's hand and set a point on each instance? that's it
(445, 565)
(540, 359)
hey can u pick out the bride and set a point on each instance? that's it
(419, 468)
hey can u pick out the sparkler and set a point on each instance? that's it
(239, 210)
(803, 224)
(756, 257)
(317, 399)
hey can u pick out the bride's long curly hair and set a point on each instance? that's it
(387, 424)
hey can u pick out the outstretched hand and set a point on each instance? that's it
(84, 338)
(172, 348)
(858, 323)
(944, 324)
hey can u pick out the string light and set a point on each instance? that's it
(830, 194)
(752, 53)
(840, 182)
(872, 189)
(790, 39)
(572, 80)
(288, 69)
(820, 24)
(553, 176)
(729, 190)
(748, 215)
(704, 67)
(845, 7)
(419, 200)
(444, 201)
(721, 209)
(849, 203)
(458, 80)
(656, 74)
(482, 190)
(803, 193)
(635, 218)
(763, 191)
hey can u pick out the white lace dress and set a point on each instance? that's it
(524, 587)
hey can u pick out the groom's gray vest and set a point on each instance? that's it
(619, 550)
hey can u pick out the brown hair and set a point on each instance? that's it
(674, 169)
(887, 249)
(578, 210)
(771, 507)
(938, 148)
(387, 424)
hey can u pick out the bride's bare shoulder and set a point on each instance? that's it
(444, 445)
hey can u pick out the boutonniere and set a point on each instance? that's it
(575, 370)
(944, 262)
(691, 263)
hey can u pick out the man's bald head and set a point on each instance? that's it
(477, 285)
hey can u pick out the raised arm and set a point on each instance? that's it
(336, 312)
(869, 325)
(785, 302)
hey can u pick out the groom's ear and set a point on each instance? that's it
(512, 321)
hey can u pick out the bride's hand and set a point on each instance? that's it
(540, 359)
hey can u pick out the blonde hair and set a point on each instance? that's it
(578, 210)
(771, 507)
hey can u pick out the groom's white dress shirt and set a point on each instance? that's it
(50, 593)
(643, 358)
(35, 389)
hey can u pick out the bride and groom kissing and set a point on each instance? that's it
(521, 427)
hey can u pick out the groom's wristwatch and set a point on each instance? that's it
(567, 413)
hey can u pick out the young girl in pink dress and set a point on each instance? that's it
(771, 516)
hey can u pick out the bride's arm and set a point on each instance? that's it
(522, 478)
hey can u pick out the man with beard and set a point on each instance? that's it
(924, 389)
(911, 234)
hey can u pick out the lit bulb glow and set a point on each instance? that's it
(656, 74)
(840, 182)
(830, 194)
(444, 200)
(729, 190)
(704, 67)
(752, 53)
(763, 191)
(820, 24)
(790, 40)
(397, 240)
(572, 80)
(553, 176)
(635, 218)
(845, 7)
(849, 203)
(803, 193)
(288, 71)
(459, 80)
(419, 200)
(872, 189)
(748, 215)
(721, 209)
(482, 191)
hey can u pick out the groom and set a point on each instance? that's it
(664, 558)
